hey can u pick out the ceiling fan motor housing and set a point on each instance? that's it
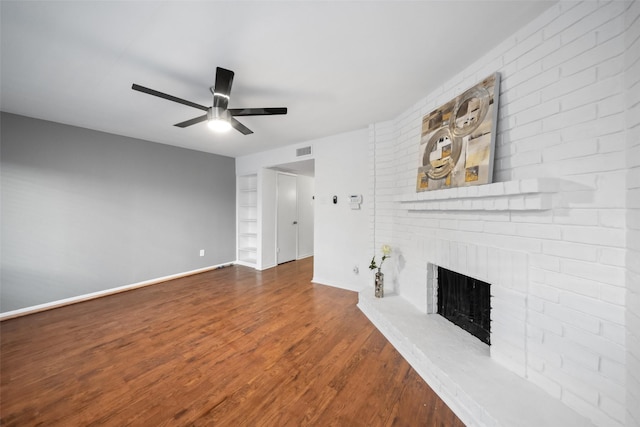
(218, 113)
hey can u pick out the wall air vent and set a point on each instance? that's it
(304, 151)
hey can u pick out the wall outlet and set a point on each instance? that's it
(201, 252)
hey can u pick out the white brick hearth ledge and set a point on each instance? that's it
(458, 367)
(533, 194)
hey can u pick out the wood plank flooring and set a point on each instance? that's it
(229, 347)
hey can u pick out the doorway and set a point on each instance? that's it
(287, 218)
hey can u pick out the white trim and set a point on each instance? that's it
(86, 297)
(266, 267)
(253, 265)
(323, 282)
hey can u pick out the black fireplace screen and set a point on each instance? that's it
(466, 302)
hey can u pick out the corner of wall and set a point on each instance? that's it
(632, 86)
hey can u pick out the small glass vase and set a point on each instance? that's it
(379, 284)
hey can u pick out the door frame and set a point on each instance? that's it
(278, 174)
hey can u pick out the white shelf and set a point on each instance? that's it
(534, 194)
(247, 203)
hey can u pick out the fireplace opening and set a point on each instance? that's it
(466, 302)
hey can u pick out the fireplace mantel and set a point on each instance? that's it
(534, 194)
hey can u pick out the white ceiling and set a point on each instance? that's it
(337, 65)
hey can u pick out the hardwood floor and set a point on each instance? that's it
(229, 347)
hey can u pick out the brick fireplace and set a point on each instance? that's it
(551, 234)
(448, 357)
(503, 264)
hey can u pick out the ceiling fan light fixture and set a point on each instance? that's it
(219, 125)
(219, 120)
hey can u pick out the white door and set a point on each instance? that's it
(287, 218)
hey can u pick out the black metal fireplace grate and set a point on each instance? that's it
(466, 302)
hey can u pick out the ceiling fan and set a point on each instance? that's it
(219, 117)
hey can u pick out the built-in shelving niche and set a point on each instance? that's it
(247, 239)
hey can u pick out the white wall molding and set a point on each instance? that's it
(87, 297)
(333, 284)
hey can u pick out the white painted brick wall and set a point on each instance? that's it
(632, 86)
(381, 156)
(564, 262)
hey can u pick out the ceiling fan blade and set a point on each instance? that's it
(167, 96)
(240, 127)
(256, 111)
(222, 88)
(192, 121)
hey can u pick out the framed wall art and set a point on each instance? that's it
(458, 139)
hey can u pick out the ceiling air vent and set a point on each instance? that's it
(304, 151)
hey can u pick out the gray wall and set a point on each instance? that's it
(85, 211)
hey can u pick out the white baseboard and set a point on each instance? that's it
(245, 263)
(321, 281)
(86, 297)
(266, 267)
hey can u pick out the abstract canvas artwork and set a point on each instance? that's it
(458, 139)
